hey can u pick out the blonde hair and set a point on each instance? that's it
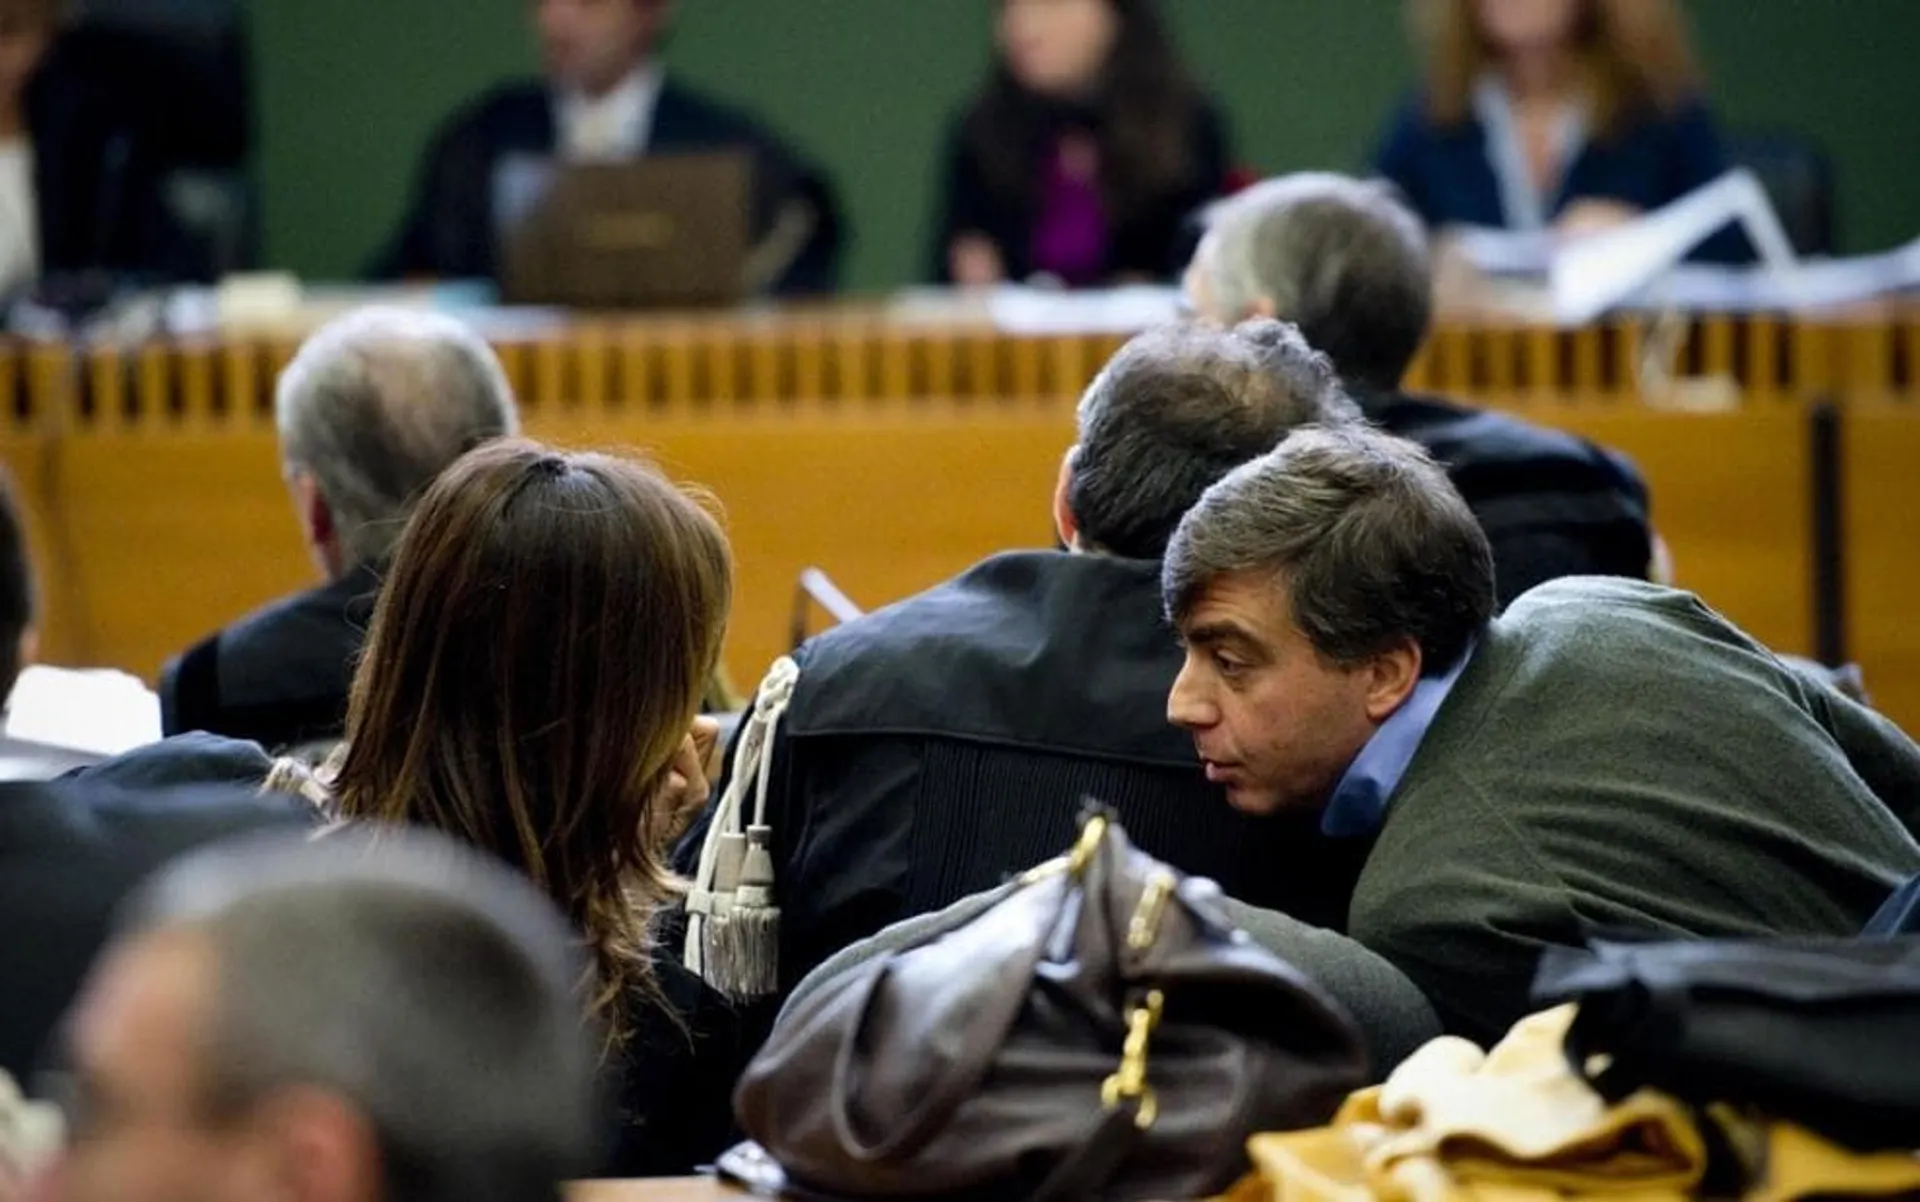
(1634, 58)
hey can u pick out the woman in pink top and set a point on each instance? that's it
(1084, 154)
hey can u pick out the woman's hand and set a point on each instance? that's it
(1593, 216)
(974, 261)
(689, 780)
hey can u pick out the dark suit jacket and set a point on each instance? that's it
(1446, 175)
(96, 174)
(278, 676)
(1552, 504)
(449, 230)
(70, 852)
(1155, 242)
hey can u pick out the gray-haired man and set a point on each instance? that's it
(1348, 263)
(1607, 753)
(333, 1021)
(374, 406)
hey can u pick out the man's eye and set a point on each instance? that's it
(1227, 666)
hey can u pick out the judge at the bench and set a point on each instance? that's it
(606, 97)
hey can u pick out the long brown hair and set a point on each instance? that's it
(537, 654)
(1141, 118)
(1634, 56)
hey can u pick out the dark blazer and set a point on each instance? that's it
(278, 676)
(1552, 504)
(96, 175)
(939, 745)
(191, 759)
(1446, 175)
(448, 230)
(1155, 242)
(70, 852)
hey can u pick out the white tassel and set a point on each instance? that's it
(733, 926)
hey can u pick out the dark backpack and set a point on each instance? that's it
(1821, 1032)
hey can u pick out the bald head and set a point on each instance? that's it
(1341, 258)
(374, 406)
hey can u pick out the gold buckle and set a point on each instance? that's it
(1129, 1082)
(1075, 862)
(1144, 927)
(1090, 836)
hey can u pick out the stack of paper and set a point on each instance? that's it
(58, 718)
(1128, 310)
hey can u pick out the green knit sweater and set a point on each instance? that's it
(1618, 756)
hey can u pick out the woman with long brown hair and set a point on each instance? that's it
(530, 685)
(1553, 114)
(1083, 155)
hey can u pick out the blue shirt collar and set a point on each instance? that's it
(1359, 803)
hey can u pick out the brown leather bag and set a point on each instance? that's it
(1101, 1031)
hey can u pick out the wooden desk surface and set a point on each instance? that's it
(659, 1189)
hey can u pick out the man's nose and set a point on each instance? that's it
(1187, 705)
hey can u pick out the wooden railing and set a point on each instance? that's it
(893, 455)
(859, 355)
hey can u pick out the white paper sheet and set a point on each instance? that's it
(1127, 310)
(99, 713)
(1592, 274)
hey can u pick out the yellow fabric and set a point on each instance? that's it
(1800, 1164)
(1454, 1124)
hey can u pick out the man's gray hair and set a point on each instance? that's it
(434, 992)
(1342, 258)
(377, 404)
(1363, 531)
(1178, 407)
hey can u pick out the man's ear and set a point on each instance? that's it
(1390, 677)
(1063, 520)
(319, 1148)
(317, 525)
(319, 519)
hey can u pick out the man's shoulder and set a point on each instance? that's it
(1043, 647)
(1005, 599)
(328, 618)
(503, 113)
(1466, 438)
(1599, 602)
(195, 758)
(1594, 642)
(104, 820)
(685, 114)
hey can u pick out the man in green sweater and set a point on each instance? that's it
(1605, 755)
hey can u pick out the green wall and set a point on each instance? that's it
(349, 90)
